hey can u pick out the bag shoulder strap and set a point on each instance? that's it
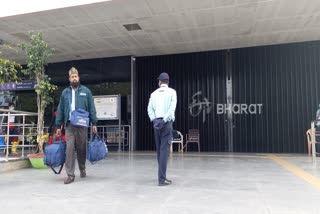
(70, 98)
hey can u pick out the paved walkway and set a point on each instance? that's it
(206, 183)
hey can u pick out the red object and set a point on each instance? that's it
(35, 155)
(63, 138)
(11, 126)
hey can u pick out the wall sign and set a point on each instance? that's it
(107, 107)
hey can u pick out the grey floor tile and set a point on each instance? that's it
(128, 184)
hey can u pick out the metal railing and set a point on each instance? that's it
(25, 129)
(116, 137)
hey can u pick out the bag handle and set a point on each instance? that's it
(57, 137)
(55, 172)
(95, 136)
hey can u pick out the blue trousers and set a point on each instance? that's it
(163, 138)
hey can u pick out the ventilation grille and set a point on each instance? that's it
(132, 27)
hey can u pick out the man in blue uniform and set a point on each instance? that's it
(161, 109)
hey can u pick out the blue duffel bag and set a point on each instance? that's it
(97, 149)
(79, 118)
(55, 155)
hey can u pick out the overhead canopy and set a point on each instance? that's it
(163, 27)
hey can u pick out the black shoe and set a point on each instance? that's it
(165, 183)
(69, 180)
(83, 173)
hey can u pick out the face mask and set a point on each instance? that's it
(11, 108)
(75, 84)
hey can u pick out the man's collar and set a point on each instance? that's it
(163, 85)
(75, 88)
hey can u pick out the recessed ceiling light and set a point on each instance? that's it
(132, 27)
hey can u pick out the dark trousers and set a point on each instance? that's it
(77, 138)
(318, 131)
(317, 139)
(163, 138)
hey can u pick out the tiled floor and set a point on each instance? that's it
(202, 183)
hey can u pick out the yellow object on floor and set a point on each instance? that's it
(14, 146)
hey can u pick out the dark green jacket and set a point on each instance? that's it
(84, 100)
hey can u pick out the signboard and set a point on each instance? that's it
(8, 86)
(17, 86)
(107, 107)
(25, 86)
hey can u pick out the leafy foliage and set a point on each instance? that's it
(38, 53)
(9, 69)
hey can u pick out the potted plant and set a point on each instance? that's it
(38, 53)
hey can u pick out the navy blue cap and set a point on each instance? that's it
(163, 77)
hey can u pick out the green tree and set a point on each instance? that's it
(38, 53)
(9, 70)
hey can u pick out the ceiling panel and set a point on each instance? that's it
(168, 26)
(313, 21)
(310, 34)
(263, 26)
(289, 8)
(224, 15)
(289, 23)
(166, 22)
(80, 15)
(116, 43)
(266, 10)
(62, 35)
(223, 3)
(177, 6)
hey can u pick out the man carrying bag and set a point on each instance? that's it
(76, 100)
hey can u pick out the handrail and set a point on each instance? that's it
(7, 113)
(25, 127)
(125, 135)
